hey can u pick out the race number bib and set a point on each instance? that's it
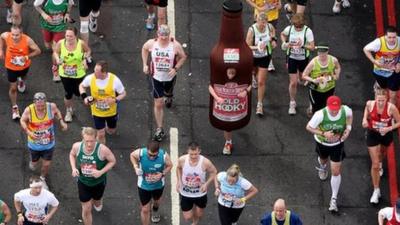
(70, 70)
(56, 19)
(152, 177)
(18, 60)
(102, 105)
(87, 169)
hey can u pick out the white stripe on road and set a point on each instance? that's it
(171, 16)
(175, 211)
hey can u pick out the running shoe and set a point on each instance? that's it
(68, 115)
(9, 17)
(44, 184)
(259, 109)
(375, 196)
(336, 7)
(322, 172)
(345, 3)
(32, 166)
(15, 113)
(292, 108)
(92, 23)
(254, 83)
(159, 134)
(56, 76)
(98, 208)
(309, 111)
(271, 67)
(289, 12)
(21, 85)
(168, 102)
(155, 216)
(227, 150)
(333, 205)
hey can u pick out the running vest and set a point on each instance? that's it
(287, 218)
(192, 179)
(100, 108)
(261, 37)
(87, 162)
(327, 71)
(162, 60)
(42, 128)
(272, 14)
(72, 66)
(16, 53)
(151, 168)
(56, 9)
(337, 127)
(386, 56)
(293, 37)
(1, 212)
(377, 121)
(393, 221)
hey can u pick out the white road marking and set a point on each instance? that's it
(175, 210)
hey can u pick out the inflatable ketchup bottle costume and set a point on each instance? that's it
(231, 63)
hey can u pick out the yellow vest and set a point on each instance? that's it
(42, 128)
(385, 55)
(100, 108)
(271, 14)
(287, 218)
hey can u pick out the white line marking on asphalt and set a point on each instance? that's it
(171, 16)
(175, 211)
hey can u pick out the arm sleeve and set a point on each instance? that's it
(374, 46)
(316, 119)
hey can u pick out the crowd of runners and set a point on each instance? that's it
(162, 57)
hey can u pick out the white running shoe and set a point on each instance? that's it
(333, 205)
(9, 17)
(271, 67)
(345, 3)
(292, 108)
(92, 23)
(44, 183)
(21, 85)
(375, 196)
(289, 12)
(15, 113)
(32, 166)
(322, 173)
(259, 109)
(68, 115)
(155, 217)
(98, 208)
(336, 7)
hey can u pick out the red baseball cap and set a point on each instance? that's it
(333, 103)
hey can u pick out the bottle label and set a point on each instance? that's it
(231, 55)
(234, 107)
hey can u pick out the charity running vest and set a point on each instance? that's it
(162, 61)
(327, 71)
(387, 57)
(287, 218)
(272, 14)
(100, 108)
(298, 53)
(150, 168)
(337, 127)
(56, 9)
(42, 128)
(72, 66)
(192, 179)
(377, 121)
(87, 162)
(16, 53)
(261, 37)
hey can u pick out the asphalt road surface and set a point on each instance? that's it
(275, 152)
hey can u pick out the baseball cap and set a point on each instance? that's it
(334, 103)
(39, 96)
(322, 47)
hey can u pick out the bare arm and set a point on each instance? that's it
(18, 208)
(211, 170)
(121, 96)
(72, 159)
(338, 68)
(35, 50)
(395, 113)
(2, 38)
(106, 153)
(57, 52)
(145, 55)
(307, 72)
(57, 114)
(7, 213)
(250, 193)
(365, 115)
(310, 45)
(369, 55)
(25, 118)
(249, 39)
(86, 49)
(168, 164)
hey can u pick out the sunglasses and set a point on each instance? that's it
(40, 98)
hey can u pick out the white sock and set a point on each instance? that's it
(335, 184)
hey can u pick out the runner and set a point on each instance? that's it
(106, 92)
(321, 74)
(280, 215)
(89, 11)
(90, 161)
(233, 191)
(297, 40)
(331, 126)
(151, 7)
(54, 15)
(38, 123)
(70, 54)
(151, 164)
(261, 39)
(35, 205)
(230, 73)
(338, 4)
(192, 182)
(386, 61)
(5, 213)
(271, 9)
(378, 117)
(20, 48)
(167, 57)
(9, 15)
(17, 12)
(390, 214)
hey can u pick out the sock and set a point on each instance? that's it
(321, 165)
(228, 142)
(335, 184)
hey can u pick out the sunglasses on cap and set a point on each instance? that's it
(39, 97)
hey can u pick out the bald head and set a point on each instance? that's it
(280, 209)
